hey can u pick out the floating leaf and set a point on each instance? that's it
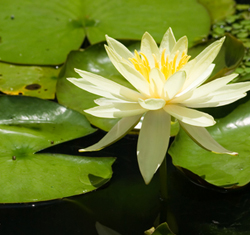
(28, 80)
(28, 125)
(232, 132)
(219, 9)
(44, 32)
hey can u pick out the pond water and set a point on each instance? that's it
(130, 207)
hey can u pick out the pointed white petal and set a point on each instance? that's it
(181, 45)
(190, 116)
(212, 86)
(153, 142)
(129, 72)
(157, 80)
(174, 84)
(152, 104)
(210, 102)
(108, 101)
(119, 48)
(120, 129)
(191, 84)
(202, 137)
(223, 96)
(116, 110)
(168, 41)
(148, 48)
(87, 86)
(105, 84)
(205, 58)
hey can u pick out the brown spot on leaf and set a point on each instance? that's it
(33, 87)
(13, 158)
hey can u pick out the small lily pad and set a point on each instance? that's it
(29, 125)
(28, 80)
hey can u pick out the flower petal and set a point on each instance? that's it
(87, 86)
(152, 104)
(120, 129)
(148, 48)
(212, 86)
(116, 110)
(189, 116)
(157, 80)
(174, 84)
(119, 48)
(168, 41)
(181, 45)
(153, 142)
(114, 88)
(130, 73)
(202, 137)
(191, 84)
(205, 58)
(224, 95)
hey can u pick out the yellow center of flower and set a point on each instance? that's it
(167, 67)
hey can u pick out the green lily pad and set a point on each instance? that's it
(29, 125)
(44, 32)
(28, 80)
(219, 10)
(232, 132)
(131, 18)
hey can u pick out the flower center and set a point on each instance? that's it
(166, 65)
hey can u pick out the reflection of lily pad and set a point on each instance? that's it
(232, 132)
(28, 125)
(28, 80)
(44, 32)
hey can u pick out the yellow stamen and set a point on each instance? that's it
(166, 66)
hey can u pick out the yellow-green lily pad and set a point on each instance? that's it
(28, 80)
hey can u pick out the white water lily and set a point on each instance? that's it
(167, 83)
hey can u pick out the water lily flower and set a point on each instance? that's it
(167, 83)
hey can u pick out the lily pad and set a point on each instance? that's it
(219, 10)
(29, 125)
(28, 80)
(40, 32)
(44, 32)
(232, 132)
